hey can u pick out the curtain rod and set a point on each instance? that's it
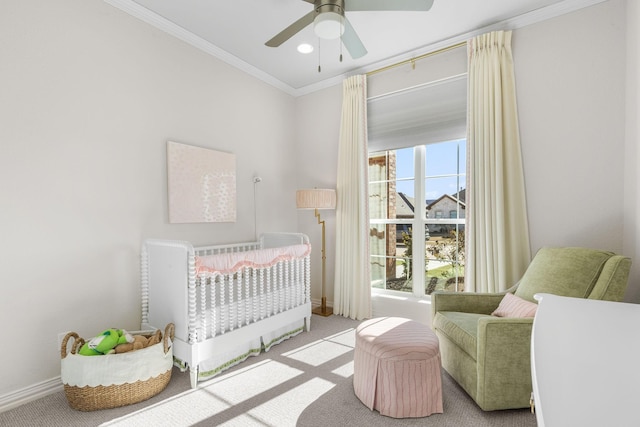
(417, 58)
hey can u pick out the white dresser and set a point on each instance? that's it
(585, 362)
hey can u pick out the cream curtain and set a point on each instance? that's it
(352, 285)
(498, 249)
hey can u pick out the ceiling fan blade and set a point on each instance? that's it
(408, 5)
(352, 42)
(291, 30)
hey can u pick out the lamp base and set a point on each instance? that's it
(328, 311)
(323, 310)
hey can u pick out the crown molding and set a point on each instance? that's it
(521, 21)
(533, 17)
(152, 18)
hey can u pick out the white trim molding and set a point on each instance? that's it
(28, 394)
(144, 14)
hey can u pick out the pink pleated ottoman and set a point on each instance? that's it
(397, 368)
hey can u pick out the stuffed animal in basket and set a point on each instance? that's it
(139, 342)
(106, 342)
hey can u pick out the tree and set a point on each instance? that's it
(407, 239)
(451, 251)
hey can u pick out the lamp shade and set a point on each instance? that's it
(316, 198)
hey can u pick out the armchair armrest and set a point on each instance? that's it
(466, 302)
(505, 334)
(503, 360)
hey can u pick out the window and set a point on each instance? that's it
(416, 179)
(410, 189)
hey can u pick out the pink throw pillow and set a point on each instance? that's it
(514, 306)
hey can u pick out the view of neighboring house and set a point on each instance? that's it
(404, 210)
(447, 206)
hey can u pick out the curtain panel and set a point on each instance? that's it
(352, 284)
(498, 250)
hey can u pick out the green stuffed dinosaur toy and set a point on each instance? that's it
(106, 342)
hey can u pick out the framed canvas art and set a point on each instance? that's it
(201, 184)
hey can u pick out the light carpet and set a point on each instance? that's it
(304, 381)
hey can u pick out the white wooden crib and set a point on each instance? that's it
(228, 302)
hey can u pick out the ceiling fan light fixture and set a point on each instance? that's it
(328, 25)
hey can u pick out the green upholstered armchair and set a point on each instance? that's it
(489, 356)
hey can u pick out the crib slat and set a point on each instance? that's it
(237, 313)
(297, 282)
(279, 285)
(251, 296)
(270, 294)
(223, 305)
(191, 298)
(262, 294)
(243, 318)
(287, 285)
(308, 279)
(144, 283)
(240, 301)
(231, 304)
(214, 311)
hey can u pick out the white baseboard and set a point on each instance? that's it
(28, 394)
(398, 305)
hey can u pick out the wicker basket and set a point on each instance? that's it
(123, 379)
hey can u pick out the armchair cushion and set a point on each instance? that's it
(571, 272)
(514, 306)
(461, 328)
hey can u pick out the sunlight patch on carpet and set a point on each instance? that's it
(285, 408)
(184, 409)
(212, 397)
(324, 350)
(345, 370)
(347, 337)
(251, 381)
(318, 353)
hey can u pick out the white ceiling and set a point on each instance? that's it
(236, 30)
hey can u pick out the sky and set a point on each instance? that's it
(441, 159)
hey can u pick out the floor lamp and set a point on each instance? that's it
(319, 199)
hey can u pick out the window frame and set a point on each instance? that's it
(418, 222)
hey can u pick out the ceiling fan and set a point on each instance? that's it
(329, 20)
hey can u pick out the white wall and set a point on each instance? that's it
(317, 128)
(570, 76)
(632, 159)
(88, 98)
(577, 95)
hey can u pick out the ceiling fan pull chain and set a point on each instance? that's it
(340, 37)
(319, 43)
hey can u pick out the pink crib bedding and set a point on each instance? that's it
(228, 263)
